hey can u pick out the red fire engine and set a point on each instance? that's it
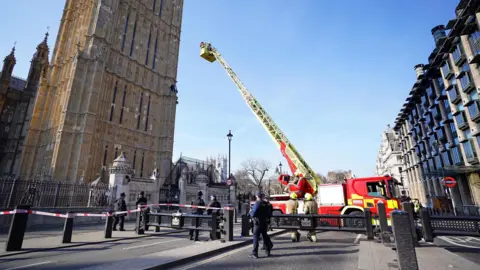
(348, 198)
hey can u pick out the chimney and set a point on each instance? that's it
(419, 70)
(439, 34)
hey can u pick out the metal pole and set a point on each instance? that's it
(229, 156)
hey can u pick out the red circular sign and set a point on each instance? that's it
(449, 182)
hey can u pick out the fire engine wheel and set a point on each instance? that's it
(355, 222)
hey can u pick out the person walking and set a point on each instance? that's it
(215, 204)
(196, 211)
(292, 209)
(260, 214)
(120, 205)
(269, 206)
(310, 208)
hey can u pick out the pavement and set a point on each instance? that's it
(333, 250)
(464, 246)
(430, 256)
(94, 251)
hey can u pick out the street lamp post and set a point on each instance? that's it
(230, 136)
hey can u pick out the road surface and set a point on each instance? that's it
(334, 250)
(467, 247)
(96, 254)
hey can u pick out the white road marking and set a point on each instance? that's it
(446, 239)
(152, 244)
(193, 265)
(357, 239)
(29, 265)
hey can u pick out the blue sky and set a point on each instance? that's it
(330, 73)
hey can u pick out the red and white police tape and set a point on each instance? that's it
(70, 215)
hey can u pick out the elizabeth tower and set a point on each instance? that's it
(110, 88)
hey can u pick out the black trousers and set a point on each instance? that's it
(196, 234)
(119, 220)
(261, 230)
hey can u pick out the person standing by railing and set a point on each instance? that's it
(216, 204)
(196, 211)
(120, 205)
(141, 203)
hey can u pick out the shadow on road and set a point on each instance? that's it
(325, 252)
(311, 247)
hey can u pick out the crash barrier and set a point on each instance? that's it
(348, 223)
(19, 221)
(217, 224)
(448, 225)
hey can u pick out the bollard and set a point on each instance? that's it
(138, 223)
(382, 216)
(368, 223)
(214, 226)
(408, 207)
(17, 228)
(426, 225)
(405, 245)
(109, 225)
(245, 225)
(158, 220)
(68, 228)
(228, 225)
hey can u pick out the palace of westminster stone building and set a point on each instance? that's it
(110, 88)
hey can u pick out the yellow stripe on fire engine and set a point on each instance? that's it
(368, 201)
(392, 204)
(356, 197)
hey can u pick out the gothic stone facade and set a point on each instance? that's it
(17, 97)
(110, 89)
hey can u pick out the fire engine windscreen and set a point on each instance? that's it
(393, 187)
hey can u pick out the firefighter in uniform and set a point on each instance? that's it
(292, 209)
(310, 208)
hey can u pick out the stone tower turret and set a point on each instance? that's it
(38, 66)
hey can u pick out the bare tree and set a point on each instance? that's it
(244, 184)
(256, 170)
(322, 177)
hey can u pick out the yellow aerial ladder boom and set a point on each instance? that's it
(297, 164)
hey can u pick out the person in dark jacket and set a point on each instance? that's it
(197, 211)
(142, 202)
(216, 204)
(269, 206)
(260, 215)
(120, 205)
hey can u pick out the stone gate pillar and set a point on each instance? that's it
(120, 175)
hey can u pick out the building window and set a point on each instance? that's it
(105, 153)
(446, 158)
(161, 7)
(458, 54)
(474, 40)
(440, 134)
(112, 107)
(456, 156)
(132, 45)
(148, 47)
(460, 118)
(141, 165)
(155, 53)
(466, 80)
(116, 153)
(125, 30)
(446, 69)
(123, 103)
(140, 111)
(453, 129)
(438, 161)
(469, 149)
(441, 85)
(148, 113)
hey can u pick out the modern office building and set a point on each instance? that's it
(390, 158)
(439, 123)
